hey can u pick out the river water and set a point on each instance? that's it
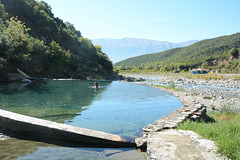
(116, 107)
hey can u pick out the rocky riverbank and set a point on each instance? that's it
(162, 141)
(215, 93)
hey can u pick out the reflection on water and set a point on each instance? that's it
(125, 108)
(54, 100)
(13, 148)
(85, 154)
(117, 107)
(31, 150)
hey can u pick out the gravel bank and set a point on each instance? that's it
(215, 94)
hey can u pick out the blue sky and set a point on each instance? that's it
(163, 20)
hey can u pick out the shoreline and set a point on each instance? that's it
(163, 141)
(215, 94)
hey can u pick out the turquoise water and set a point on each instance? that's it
(125, 108)
(117, 107)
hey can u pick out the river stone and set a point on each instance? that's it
(220, 97)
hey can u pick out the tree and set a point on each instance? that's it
(103, 59)
(234, 52)
(87, 46)
(99, 48)
(72, 31)
(204, 65)
(44, 6)
(3, 14)
(15, 38)
(58, 55)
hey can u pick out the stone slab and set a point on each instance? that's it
(48, 129)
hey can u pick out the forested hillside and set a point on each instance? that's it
(217, 53)
(38, 43)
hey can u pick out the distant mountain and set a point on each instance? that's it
(219, 53)
(120, 49)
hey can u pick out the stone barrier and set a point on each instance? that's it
(37, 127)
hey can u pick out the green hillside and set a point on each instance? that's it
(221, 53)
(32, 39)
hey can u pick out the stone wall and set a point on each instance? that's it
(192, 110)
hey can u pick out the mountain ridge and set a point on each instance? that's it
(120, 49)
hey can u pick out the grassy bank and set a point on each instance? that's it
(223, 128)
(170, 86)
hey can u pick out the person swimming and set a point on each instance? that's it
(96, 85)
